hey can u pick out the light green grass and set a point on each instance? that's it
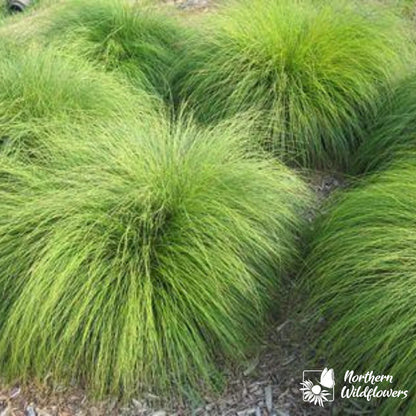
(141, 256)
(44, 90)
(35, 5)
(314, 69)
(362, 269)
(23, 28)
(140, 42)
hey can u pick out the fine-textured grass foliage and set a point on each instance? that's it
(362, 271)
(135, 262)
(314, 69)
(21, 28)
(33, 6)
(393, 132)
(41, 90)
(140, 42)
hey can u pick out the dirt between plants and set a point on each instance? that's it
(190, 5)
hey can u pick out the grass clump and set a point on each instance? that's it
(362, 272)
(135, 262)
(138, 41)
(315, 71)
(393, 133)
(44, 91)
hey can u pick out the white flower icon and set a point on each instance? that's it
(316, 393)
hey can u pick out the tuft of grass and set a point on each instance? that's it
(141, 257)
(393, 131)
(138, 41)
(44, 90)
(315, 70)
(361, 273)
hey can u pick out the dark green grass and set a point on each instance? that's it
(141, 256)
(393, 131)
(314, 69)
(44, 90)
(140, 42)
(362, 269)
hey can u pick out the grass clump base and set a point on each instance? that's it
(362, 275)
(136, 262)
(314, 70)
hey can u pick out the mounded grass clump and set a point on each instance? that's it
(136, 262)
(393, 133)
(362, 272)
(314, 69)
(44, 91)
(136, 40)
